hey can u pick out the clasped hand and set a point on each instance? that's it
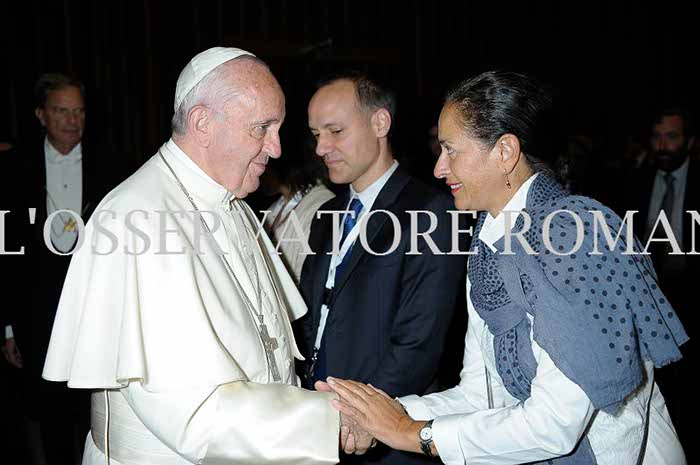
(375, 412)
(353, 438)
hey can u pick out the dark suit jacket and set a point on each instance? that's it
(38, 275)
(389, 314)
(641, 185)
(679, 288)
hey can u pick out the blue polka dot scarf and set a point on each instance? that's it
(598, 316)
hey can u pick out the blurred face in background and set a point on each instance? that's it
(434, 141)
(63, 116)
(669, 143)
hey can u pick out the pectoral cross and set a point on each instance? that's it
(270, 344)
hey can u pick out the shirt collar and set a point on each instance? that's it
(55, 157)
(679, 173)
(494, 228)
(195, 180)
(369, 195)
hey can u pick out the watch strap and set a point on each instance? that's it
(425, 444)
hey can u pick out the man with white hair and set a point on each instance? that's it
(176, 310)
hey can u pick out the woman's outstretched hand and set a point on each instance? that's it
(377, 413)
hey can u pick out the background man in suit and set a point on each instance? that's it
(56, 175)
(670, 181)
(381, 319)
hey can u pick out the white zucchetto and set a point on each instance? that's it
(201, 65)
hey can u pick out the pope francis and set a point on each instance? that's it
(176, 311)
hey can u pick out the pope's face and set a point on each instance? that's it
(246, 134)
(63, 116)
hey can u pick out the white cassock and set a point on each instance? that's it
(151, 319)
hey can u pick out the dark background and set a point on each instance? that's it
(610, 62)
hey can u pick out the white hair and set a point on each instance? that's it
(212, 92)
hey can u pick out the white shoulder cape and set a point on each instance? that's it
(160, 318)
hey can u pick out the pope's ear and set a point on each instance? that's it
(381, 122)
(199, 125)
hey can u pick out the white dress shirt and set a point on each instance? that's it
(64, 191)
(550, 423)
(680, 176)
(367, 197)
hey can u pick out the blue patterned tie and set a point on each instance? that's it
(348, 224)
(320, 369)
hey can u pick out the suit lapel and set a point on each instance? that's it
(385, 201)
(690, 203)
(37, 166)
(647, 189)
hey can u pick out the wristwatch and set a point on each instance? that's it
(426, 438)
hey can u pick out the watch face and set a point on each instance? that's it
(426, 434)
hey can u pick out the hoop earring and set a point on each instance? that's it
(508, 185)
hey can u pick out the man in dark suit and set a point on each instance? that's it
(670, 182)
(379, 310)
(57, 175)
